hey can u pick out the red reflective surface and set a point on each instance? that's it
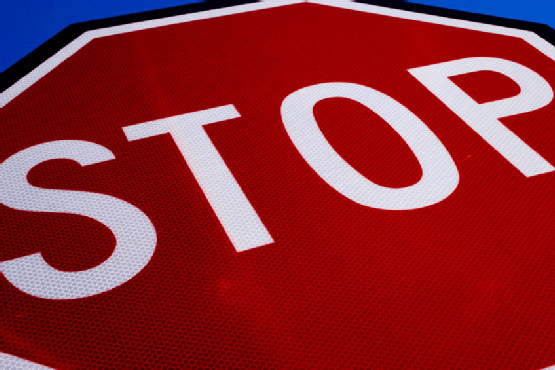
(465, 283)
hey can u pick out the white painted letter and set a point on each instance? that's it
(135, 235)
(440, 175)
(236, 214)
(484, 118)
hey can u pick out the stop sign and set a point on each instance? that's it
(282, 184)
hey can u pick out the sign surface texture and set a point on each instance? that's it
(282, 184)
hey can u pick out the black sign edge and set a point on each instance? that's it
(32, 60)
(50, 47)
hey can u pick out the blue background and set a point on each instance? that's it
(25, 24)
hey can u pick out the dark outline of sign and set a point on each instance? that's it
(38, 56)
(25, 65)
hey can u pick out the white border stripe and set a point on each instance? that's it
(533, 39)
(48, 65)
(422, 17)
(25, 82)
(44, 68)
(16, 363)
(161, 22)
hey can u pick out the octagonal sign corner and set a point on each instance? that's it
(281, 184)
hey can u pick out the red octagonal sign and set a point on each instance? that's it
(281, 185)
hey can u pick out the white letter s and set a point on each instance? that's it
(134, 233)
